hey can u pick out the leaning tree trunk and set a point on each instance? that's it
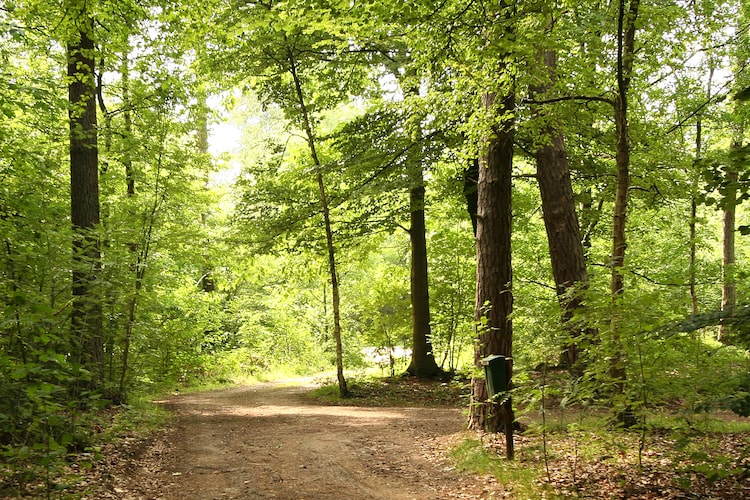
(335, 294)
(86, 313)
(563, 230)
(494, 299)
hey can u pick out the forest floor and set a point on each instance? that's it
(397, 439)
(273, 441)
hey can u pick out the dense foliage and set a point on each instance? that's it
(213, 262)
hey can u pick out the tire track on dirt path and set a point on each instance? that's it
(270, 441)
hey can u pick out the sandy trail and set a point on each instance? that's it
(270, 441)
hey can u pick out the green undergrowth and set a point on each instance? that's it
(394, 391)
(73, 440)
(519, 479)
(584, 456)
(51, 467)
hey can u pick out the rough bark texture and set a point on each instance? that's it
(494, 299)
(563, 230)
(86, 312)
(563, 237)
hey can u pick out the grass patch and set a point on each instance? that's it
(714, 422)
(520, 478)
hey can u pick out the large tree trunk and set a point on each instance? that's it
(423, 364)
(86, 314)
(564, 239)
(563, 230)
(494, 299)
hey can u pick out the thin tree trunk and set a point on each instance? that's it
(728, 289)
(86, 315)
(127, 160)
(336, 298)
(693, 253)
(693, 201)
(694, 215)
(207, 282)
(627, 14)
(470, 178)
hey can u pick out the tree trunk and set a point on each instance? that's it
(336, 300)
(693, 201)
(136, 264)
(626, 29)
(728, 289)
(207, 282)
(494, 299)
(563, 230)
(693, 254)
(471, 175)
(336, 297)
(86, 314)
(423, 364)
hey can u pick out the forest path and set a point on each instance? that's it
(271, 441)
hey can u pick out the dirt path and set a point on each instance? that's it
(270, 441)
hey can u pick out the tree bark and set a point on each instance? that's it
(86, 314)
(470, 178)
(336, 297)
(563, 230)
(423, 364)
(494, 298)
(627, 15)
(728, 289)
